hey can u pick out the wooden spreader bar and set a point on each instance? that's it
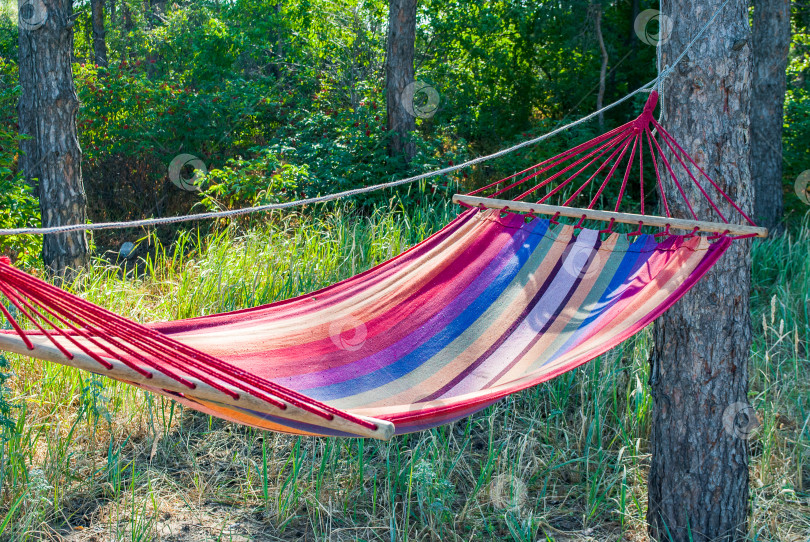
(606, 216)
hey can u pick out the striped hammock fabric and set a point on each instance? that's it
(490, 305)
(494, 303)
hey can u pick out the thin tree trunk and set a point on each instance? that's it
(99, 34)
(698, 481)
(771, 42)
(48, 106)
(400, 76)
(600, 97)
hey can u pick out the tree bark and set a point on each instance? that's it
(698, 481)
(600, 97)
(771, 42)
(51, 158)
(99, 34)
(400, 75)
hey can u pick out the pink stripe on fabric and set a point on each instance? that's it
(545, 309)
(485, 398)
(397, 322)
(333, 293)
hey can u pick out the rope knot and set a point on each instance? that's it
(646, 116)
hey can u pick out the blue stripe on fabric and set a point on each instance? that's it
(637, 255)
(634, 259)
(443, 337)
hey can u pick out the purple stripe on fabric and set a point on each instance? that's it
(411, 342)
(401, 320)
(527, 311)
(560, 291)
(590, 323)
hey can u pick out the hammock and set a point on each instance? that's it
(494, 303)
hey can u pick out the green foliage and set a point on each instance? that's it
(796, 151)
(513, 65)
(8, 33)
(257, 86)
(7, 423)
(127, 112)
(297, 87)
(253, 182)
(19, 207)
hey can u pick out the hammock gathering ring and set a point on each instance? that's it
(496, 302)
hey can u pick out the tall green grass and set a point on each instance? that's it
(565, 460)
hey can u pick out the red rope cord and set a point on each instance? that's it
(638, 231)
(658, 175)
(150, 347)
(79, 345)
(609, 228)
(16, 327)
(93, 341)
(627, 173)
(592, 177)
(70, 312)
(573, 151)
(550, 166)
(609, 175)
(640, 169)
(616, 142)
(691, 176)
(19, 303)
(674, 178)
(291, 396)
(716, 187)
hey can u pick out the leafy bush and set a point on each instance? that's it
(797, 117)
(19, 206)
(7, 423)
(252, 182)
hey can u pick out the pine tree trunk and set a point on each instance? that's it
(99, 34)
(698, 481)
(47, 109)
(399, 75)
(771, 42)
